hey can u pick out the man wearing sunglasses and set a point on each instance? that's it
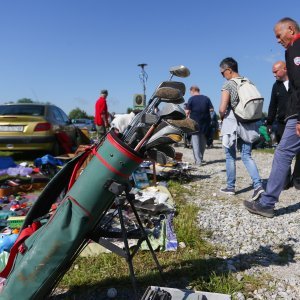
(231, 131)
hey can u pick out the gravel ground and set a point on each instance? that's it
(250, 244)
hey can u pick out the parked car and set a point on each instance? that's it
(84, 123)
(42, 127)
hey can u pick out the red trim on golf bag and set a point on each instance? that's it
(18, 246)
(79, 164)
(123, 150)
(79, 205)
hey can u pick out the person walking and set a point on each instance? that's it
(287, 33)
(231, 130)
(279, 98)
(212, 128)
(277, 112)
(101, 114)
(198, 109)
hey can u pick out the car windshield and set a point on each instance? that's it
(22, 110)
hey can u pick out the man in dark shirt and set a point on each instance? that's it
(279, 98)
(287, 32)
(277, 111)
(198, 109)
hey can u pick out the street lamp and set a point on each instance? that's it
(143, 77)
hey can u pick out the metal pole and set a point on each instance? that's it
(143, 77)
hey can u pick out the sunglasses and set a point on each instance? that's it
(222, 72)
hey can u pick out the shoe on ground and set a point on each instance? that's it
(228, 191)
(256, 208)
(296, 182)
(257, 193)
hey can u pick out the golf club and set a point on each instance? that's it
(166, 149)
(179, 71)
(171, 111)
(166, 94)
(164, 140)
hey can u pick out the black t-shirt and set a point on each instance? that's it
(199, 105)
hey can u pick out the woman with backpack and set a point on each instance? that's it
(235, 132)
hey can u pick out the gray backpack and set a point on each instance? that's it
(250, 105)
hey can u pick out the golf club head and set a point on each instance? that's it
(168, 93)
(149, 119)
(180, 71)
(166, 149)
(173, 84)
(156, 155)
(161, 125)
(175, 137)
(164, 140)
(167, 130)
(172, 111)
(186, 125)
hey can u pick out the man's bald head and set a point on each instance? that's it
(279, 70)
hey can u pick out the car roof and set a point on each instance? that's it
(34, 104)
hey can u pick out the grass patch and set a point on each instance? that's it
(225, 284)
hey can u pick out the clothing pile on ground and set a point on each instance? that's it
(21, 184)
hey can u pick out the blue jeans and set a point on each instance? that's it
(288, 147)
(248, 161)
(199, 144)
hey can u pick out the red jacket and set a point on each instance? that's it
(101, 112)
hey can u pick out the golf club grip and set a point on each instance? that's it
(145, 138)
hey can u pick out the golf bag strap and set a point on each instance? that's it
(19, 247)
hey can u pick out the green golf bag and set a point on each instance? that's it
(45, 253)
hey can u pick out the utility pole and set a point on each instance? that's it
(143, 77)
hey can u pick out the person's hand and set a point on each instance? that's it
(298, 129)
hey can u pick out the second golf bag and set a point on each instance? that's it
(44, 256)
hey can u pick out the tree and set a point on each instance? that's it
(78, 113)
(25, 100)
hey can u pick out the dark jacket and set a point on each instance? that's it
(199, 105)
(278, 103)
(292, 57)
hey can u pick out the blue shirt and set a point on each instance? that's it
(199, 105)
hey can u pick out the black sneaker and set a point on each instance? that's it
(296, 182)
(257, 193)
(289, 182)
(228, 191)
(256, 208)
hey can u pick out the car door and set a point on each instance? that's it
(64, 123)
